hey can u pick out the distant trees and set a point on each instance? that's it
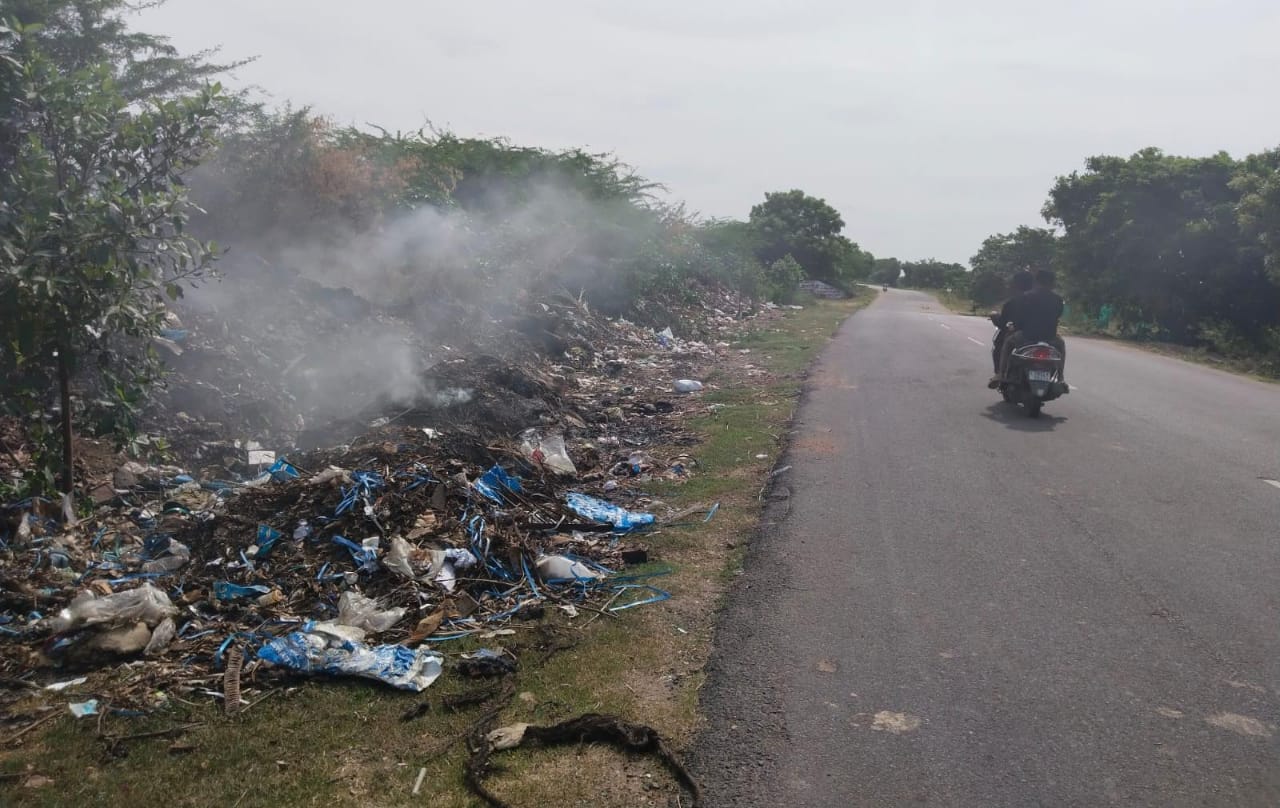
(931, 274)
(792, 223)
(1004, 254)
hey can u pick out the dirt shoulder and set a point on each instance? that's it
(349, 742)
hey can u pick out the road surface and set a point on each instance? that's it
(957, 605)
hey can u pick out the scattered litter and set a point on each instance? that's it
(601, 511)
(60, 686)
(80, 709)
(687, 386)
(317, 650)
(486, 662)
(547, 449)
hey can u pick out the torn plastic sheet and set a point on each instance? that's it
(601, 511)
(547, 449)
(227, 591)
(80, 709)
(655, 596)
(316, 652)
(282, 471)
(267, 537)
(496, 480)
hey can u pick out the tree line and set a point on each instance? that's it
(1162, 247)
(127, 172)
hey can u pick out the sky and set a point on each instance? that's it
(929, 125)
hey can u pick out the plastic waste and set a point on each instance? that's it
(496, 480)
(666, 337)
(354, 609)
(282, 471)
(161, 637)
(448, 562)
(303, 531)
(145, 604)
(547, 449)
(267, 537)
(486, 662)
(167, 556)
(225, 590)
(600, 511)
(365, 553)
(688, 386)
(80, 709)
(320, 652)
(329, 475)
(122, 640)
(563, 568)
(398, 558)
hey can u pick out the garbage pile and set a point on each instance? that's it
(435, 523)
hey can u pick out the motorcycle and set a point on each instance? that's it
(1034, 376)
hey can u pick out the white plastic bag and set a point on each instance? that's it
(354, 609)
(145, 604)
(547, 449)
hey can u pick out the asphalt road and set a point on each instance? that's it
(959, 605)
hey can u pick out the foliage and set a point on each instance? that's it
(78, 35)
(1003, 255)
(92, 235)
(783, 278)
(1160, 239)
(886, 271)
(805, 228)
(932, 274)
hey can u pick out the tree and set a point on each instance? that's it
(805, 228)
(1157, 238)
(886, 271)
(783, 277)
(92, 236)
(933, 274)
(1003, 255)
(80, 35)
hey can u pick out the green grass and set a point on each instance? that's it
(342, 742)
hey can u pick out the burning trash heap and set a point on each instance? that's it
(368, 559)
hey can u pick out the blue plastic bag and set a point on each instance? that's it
(598, 510)
(495, 481)
(282, 471)
(225, 590)
(267, 537)
(316, 651)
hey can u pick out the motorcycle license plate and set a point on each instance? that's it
(1040, 375)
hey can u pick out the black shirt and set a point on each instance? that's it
(1036, 314)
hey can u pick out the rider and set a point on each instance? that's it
(1020, 284)
(1035, 317)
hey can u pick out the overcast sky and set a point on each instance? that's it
(928, 124)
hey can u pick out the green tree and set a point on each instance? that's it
(92, 237)
(783, 277)
(88, 34)
(933, 274)
(1158, 238)
(1004, 254)
(805, 228)
(886, 271)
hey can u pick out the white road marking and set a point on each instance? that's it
(944, 325)
(1275, 483)
(976, 341)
